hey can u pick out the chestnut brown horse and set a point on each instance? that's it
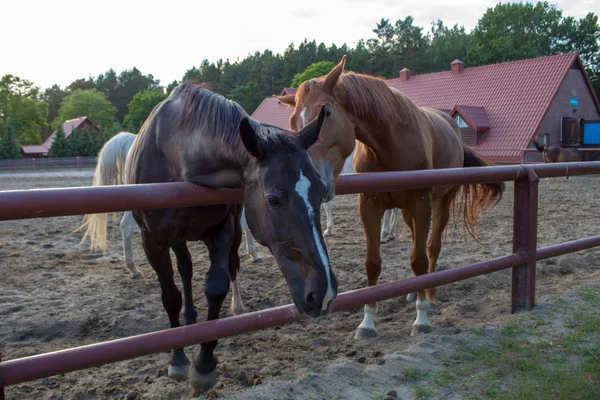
(393, 134)
(200, 137)
(554, 154)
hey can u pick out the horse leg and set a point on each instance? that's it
(237, 307)
(216, 285)
(160, 260)
(329, 212)
(127, 232)
(411, 297)
(421, 215)
(250, 246)
(385, 229)
(441, 216)
(370, 215)
(184, 265)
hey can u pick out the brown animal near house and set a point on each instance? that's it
(553, 154)
(394, 134)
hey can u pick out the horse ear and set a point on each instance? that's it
(310, 133)
(333, 76)
(288, 99)
(252, 142)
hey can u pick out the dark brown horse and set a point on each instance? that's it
(200, 137)
(393, 134)
(554, 154)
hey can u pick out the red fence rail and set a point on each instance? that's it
(23, 204)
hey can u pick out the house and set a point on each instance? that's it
(501, 108)
(71, 126)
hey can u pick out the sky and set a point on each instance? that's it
(58, 41)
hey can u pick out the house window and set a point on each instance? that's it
(460, 122)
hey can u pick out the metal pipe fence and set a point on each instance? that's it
(23, 204)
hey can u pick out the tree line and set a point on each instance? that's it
(122, 101)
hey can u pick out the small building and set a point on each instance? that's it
(34, 151)
(71, 126)
(501, 108)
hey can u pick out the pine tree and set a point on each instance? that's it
(75, 144)
(9, 147)
(87, 143)
(60, 145)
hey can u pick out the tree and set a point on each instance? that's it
(52, 96)
(88, 145)
(248, 96)
(60, 144)
(90, 103)
(515, 31)
(314, 70)
(9, 147)
(140, 107)
(447, 44)
(19, 103)
(75, 144)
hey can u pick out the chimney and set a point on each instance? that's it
(457, 66)
(404, 74)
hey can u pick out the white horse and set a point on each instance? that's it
(111, 170)
(389, 217)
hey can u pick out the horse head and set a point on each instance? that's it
(336, 140)
(282, 194)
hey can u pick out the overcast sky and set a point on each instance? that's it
(59, 41)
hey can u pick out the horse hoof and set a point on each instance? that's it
(411, 297)
(327, 232)
(364, 333)
(200, 383)
(418, 329)
(137, 275)
(237, 310)
(178, 373)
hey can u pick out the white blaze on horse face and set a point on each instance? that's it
(303, 117)
(302, 187)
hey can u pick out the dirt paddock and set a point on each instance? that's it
(55, 294)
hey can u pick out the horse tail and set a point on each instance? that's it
(477, 197)
(538, 146)
(110, 170)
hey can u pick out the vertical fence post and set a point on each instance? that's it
(525, 239)
(1, 383)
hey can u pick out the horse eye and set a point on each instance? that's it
(273, 201)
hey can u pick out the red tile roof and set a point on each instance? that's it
(508, 98)
(273, 112)
(288, 90)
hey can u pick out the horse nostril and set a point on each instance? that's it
(312, 301)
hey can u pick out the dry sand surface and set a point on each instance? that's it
(55, 294)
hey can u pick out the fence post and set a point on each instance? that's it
(1, 383)
(525, 240)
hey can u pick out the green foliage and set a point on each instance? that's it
(314, 70)
(248, 96)
(90, 103)
(9, 147)
(140, 108)
(19, 103)
(515, 31)
(60, 145)
(52, 96)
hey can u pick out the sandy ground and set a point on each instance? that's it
(55, 294)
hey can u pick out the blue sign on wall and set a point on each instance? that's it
(573, 101)
(591, 133)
